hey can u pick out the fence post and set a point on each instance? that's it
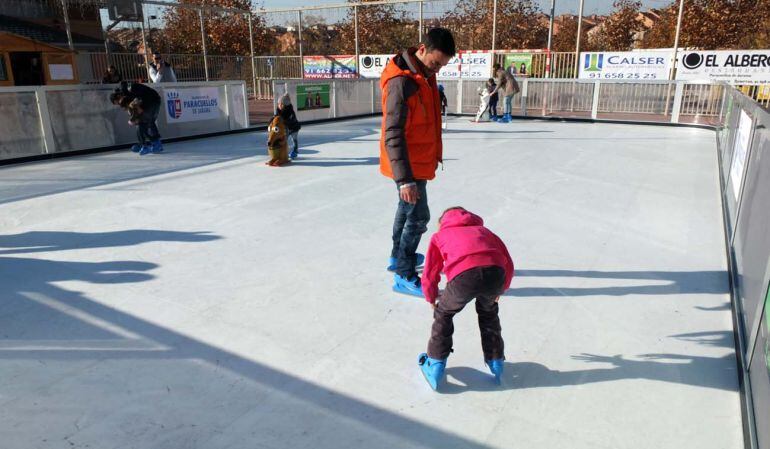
(459, 108)
(577, 45)
(253, 65)
(524, 95)
(595, 101)
(203, 41)
(355, 28)
(334, 99)
(372, 83)
(144, 44)
(45, 120)
(299, 34)
(67, 25)
(677, 102)
(494, 25)
(419, 32)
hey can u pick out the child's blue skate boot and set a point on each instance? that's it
(496, 367)
(506, 118)
(432, 369)
(136, 148)
(407, 286)
(494, 118)
(157, 146)
(293, 154)
(146, 149)
(420, 259)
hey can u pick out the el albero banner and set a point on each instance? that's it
(730, 66)
(371, 66)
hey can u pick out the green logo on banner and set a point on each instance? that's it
(593, 62)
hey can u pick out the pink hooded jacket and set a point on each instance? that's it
(462, 243)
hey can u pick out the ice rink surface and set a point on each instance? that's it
(199, 299)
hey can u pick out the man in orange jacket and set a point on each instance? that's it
(410, 146)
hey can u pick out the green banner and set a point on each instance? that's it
(313, 96)
(522, 63)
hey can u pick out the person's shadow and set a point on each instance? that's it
(696, 370)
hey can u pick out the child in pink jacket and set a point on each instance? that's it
(477, 265)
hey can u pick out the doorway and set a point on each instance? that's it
(27, 67)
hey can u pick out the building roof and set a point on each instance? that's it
(46, 34)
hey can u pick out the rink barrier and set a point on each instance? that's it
(40, 121)
(659, 102)
(654, 102)
(743, 142)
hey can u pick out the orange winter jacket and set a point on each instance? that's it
(410, 144)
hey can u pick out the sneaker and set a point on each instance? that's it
(146, 149)
(411, 286)
(293, 155)
(496, 367)
(432, 369)
(420, 259)
(136, 148)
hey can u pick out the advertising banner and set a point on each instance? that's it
(730, 66)
(313, 96)
(192, 104)
(626, 65)
(468, 65)
(328, 67)
(371, 66)
(521, 62)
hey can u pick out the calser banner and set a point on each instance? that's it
(626, 65)
(192, 104)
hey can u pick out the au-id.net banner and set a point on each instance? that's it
(328, 67)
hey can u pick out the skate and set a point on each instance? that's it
(146, 149)
(410, 287)
(496, 367)
(419, 260)
(157, 146)
(293, 154)
(432, 369)
(136, 148)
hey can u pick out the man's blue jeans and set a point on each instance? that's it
(507, 104)
(410, 224)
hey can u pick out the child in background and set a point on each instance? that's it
(493, 100)
(286, 111)
(442, 99)
(477, 265)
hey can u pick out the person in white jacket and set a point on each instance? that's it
(160, 70)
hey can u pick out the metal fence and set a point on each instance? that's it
(743, 139)
(657, 101)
